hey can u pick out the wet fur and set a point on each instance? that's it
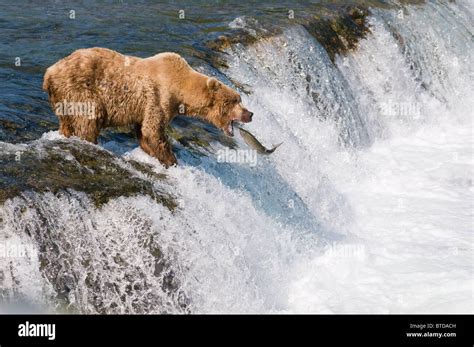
(126, 90)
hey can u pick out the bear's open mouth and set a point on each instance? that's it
(229, 129)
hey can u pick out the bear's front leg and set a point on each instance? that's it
(152, 139)
(158, 148)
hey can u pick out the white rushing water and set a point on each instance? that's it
(366, 207)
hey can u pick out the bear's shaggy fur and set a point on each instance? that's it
(97, 88)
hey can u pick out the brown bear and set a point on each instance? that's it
(97, 88)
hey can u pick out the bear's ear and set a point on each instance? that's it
(213, 84)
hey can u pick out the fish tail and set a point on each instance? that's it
(274, 147)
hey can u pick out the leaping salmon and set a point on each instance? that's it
(255, 144)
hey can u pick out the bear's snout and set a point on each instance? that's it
(246, 116)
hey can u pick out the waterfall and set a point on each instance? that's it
(366, 207)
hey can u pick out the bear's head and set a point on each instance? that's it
(225, 107)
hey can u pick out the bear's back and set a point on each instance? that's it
(103, 77)
(84, 67)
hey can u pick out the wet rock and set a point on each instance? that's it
(61, 165)
(339, 32)
(338, 27)
(245, 31)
